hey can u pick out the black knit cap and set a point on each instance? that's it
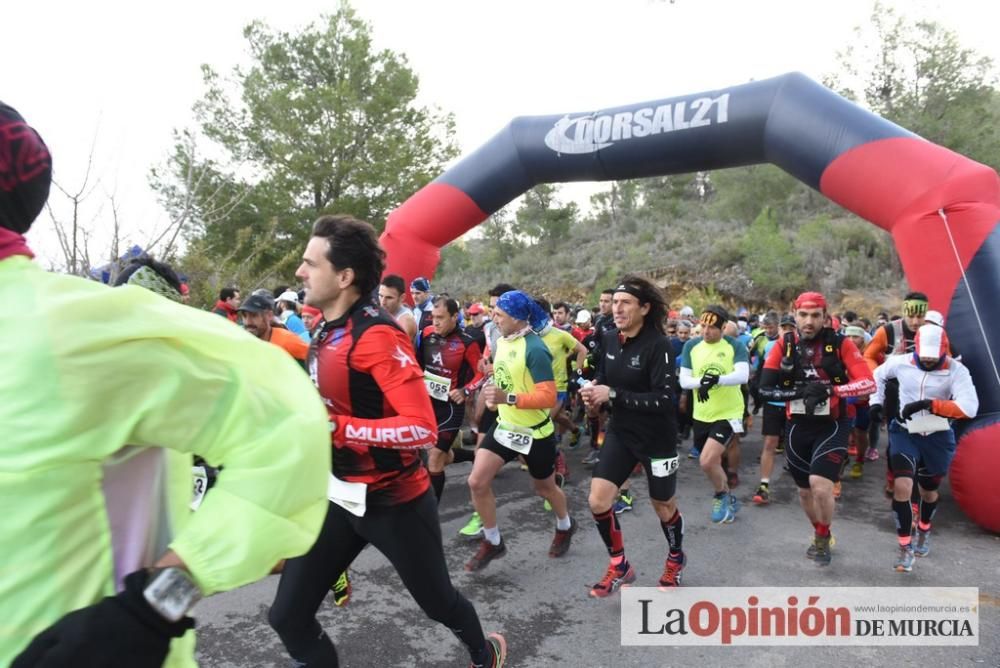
(25, 172)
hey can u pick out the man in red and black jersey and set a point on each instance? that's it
(380, 418)
(814, 374)
(450, 360)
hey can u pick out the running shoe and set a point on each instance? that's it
(560, 482)
(811, 552)
(624, 503)
(722, 510)
(574, 440)
(904, 559)
(694, 453)
(562, 539)
(486, 553)
(616, 578)
(497, 646)
(672, 572)
(341, 590)
(822, 557)
(857, 470)
(592, 457)
(923, 543)
(762, 496)
(474, 528)
(872, 455)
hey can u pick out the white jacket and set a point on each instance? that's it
(949, 387)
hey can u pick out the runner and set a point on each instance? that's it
(380, 417)
(774, 419)
(258, 313)
(524, 392)
(390, 297)
(423, 302)
(450, 360)
(634, 379)
(715, 366)
(803, 372)
(933, 387)
(859, 406)
(485, 417)
(563, 348)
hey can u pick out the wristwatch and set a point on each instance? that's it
(511, 399)
(171, 592)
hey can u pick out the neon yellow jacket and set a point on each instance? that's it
(85, 370)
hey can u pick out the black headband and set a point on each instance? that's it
(632, 290)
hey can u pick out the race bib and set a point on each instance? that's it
(437, 386)
(661, 468)
(798, 407)
(200, 477)
(737, 426)
(350, 496)
(926, 423)
(518, 439)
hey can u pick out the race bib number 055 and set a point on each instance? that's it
(437, 386)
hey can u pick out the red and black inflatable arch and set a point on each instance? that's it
(941, 208)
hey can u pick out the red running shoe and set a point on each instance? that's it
(672, 572)
(617, 577)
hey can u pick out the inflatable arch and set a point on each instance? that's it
(941, 208)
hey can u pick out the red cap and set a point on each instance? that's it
(811, 300)
(311, 310)
(475, 309)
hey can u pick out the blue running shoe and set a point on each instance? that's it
(922, 545)
(722, 510)
(904, 562)
(694, 453)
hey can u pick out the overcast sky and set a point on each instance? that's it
(121, 75)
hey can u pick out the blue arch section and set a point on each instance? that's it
(790, 121)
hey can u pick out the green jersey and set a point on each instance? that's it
(725, 402)
(517, 367)
(560, 343)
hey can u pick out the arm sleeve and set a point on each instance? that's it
(875, 349)
(964, 402)
(770, 376)
(881, 374)
(472, 357)
(539, 362)
(386, 354)
(739, 375)
(687, 381)
(860, 381)
(657, 399)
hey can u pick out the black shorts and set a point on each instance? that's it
(720, 430)
(619, 456)
(541, 458)
(774, 420)
(450, 417)
(816, 447)
(487, 420)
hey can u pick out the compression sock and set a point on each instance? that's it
(674, 531)
(611, 533)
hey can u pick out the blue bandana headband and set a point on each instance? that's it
(520, 306)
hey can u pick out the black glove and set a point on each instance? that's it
(813, 395)
(120, 630)
(708, 381)
(875, 413)
(914, 407)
